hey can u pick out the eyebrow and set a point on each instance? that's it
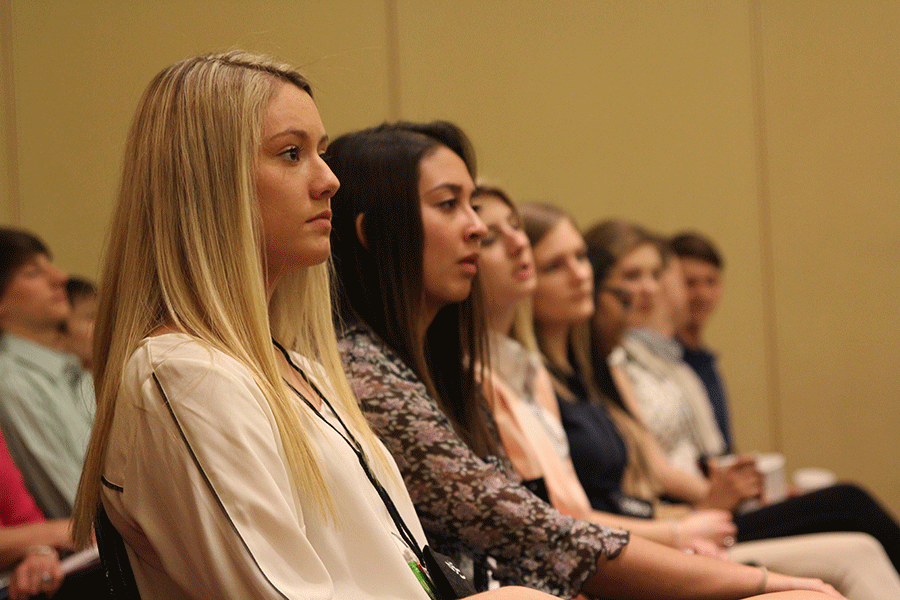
(303, 135)
(453, 187)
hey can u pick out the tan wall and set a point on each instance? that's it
(770, 125)
(832, 104)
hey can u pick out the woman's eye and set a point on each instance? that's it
(292, 154)
(550, 267)
(488, 240)
(448, 203)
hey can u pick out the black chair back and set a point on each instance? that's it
(114, 559)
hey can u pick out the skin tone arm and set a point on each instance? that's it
(725, 489)
(668, 574)
(703, 531)
(15, 540)
(37, 574)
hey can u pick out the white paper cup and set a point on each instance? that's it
(771, 466)
(810, 479)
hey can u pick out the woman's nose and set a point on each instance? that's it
(57, 275)
(516, 242)
(581, 271)
(475, 227)
(326, 184)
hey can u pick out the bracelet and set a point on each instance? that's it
(763, 582)
(40, 550)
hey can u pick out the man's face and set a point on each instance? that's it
(35, 298)
(704, 286)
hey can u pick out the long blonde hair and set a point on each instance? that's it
(522, 329)
(185, 251)
(639, 478)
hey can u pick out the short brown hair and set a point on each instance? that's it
(16, 248)
(691, 244)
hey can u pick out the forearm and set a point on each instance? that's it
(15, 540)
(646, 569)
(664, 532)
(684, 486)
(675, 482)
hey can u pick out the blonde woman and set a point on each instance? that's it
(228, 450)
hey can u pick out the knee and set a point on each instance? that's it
(862, 546)
(853, 495)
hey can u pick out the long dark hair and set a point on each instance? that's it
(380, 276)
(608, 241)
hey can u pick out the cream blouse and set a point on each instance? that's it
(206, 506)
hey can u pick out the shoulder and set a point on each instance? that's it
(186, 371)
(365, 354)
(360, 342)
(29, 375)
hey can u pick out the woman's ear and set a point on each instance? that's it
(360, 232)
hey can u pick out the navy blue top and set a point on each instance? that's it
(703, 362)
(598, 451)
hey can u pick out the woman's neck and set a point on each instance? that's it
(500, 320)
(555, 345)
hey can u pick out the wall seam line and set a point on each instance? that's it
(7, 82)
(395, 108)
(767, 258)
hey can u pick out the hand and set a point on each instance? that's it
(708, 525)
(730, 486)
(704, 547)
(38, 573)
(782, 583)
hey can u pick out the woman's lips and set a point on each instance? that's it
(469, 264)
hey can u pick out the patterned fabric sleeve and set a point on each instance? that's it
(461, 498)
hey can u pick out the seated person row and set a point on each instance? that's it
(520, 392)
(46, 397)
(660, 402)
(192, 376)
(229, 452)
(407, 242)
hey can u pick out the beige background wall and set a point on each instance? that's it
(774, 126)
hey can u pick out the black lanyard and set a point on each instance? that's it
(405, 534)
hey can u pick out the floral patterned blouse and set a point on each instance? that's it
(461, 499)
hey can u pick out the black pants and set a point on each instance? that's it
(838, 508)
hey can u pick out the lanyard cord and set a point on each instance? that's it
(405, 534)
